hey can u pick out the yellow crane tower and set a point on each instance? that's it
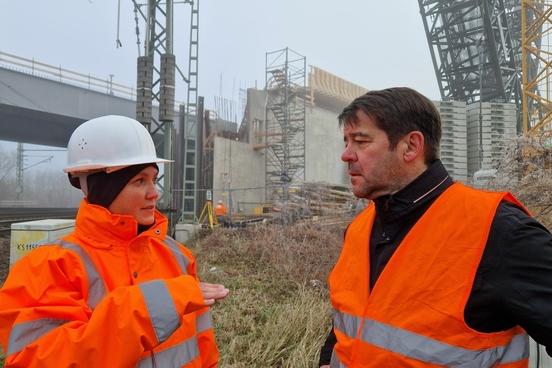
(536, 37)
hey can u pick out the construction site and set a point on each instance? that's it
(277, 169)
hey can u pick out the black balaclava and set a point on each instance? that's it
(103, 188)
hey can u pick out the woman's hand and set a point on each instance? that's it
(212, 292)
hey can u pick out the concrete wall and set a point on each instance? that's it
(323, 148)
(255, 115)
(239, 170)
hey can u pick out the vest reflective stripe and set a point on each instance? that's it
(335, 362)
(512, 353)
(346, 323)
(25, 333)
(432, 351)
(204, 322)
(176, 356)
(180, 257)
(161, 308)
(96, 286)
(428, 350)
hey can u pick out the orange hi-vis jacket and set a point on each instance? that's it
(221, 210)
(106, 297)
(414, 315)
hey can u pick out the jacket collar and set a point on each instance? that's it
(104, 228)
(422, 190)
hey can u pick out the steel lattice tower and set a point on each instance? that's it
(156, 82)
(285, 122)
(475, 47)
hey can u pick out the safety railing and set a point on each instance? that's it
(62, 75)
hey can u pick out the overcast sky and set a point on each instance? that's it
(375, 44)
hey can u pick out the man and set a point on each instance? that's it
(432, 273)
(220, 209)
(117, 292)
(220, 212)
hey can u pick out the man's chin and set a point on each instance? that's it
(359, 193)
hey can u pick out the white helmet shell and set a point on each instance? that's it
(109, 143)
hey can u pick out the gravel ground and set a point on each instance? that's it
(4, 256)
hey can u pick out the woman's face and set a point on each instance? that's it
(139, 197)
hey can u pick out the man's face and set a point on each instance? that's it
(374, 169)
(138, 197)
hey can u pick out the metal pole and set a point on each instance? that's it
(19, 177)
(481, 60)
(524, 68)
(168, 128)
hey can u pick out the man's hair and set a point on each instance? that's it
(399, 111)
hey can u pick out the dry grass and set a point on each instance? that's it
(299, 253)
(278, 313)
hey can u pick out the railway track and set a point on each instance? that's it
(18, 214)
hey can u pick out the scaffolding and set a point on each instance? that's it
(475, 47)
(285, 122)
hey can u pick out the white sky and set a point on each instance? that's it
(375, 44)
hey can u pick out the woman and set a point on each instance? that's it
(117, 292)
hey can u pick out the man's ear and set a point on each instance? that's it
(413, 146)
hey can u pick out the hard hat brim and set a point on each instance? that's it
(112, 166)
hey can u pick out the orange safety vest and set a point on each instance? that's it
(220, 210)
(104, 297)
(414, 315)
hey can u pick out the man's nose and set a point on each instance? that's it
(348, 154)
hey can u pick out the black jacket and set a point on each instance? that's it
(513, 284)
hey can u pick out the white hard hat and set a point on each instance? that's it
(109, 143)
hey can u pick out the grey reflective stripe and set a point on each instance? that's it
(181, 258)
(161, 308)
(346, 323)
(204, 322)
(519, 346)
(96, 285)
(335, 362)
(25, 333)
(175, 356)
(433, 351)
